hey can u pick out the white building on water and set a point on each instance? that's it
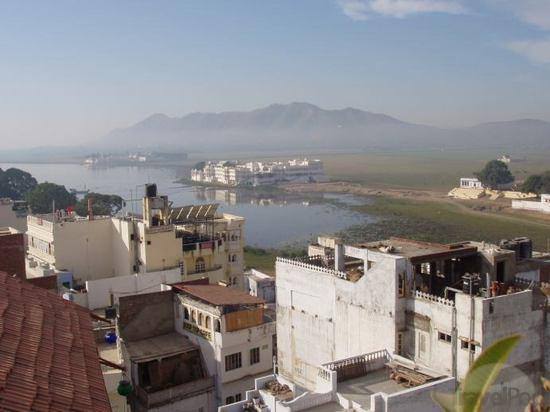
(230, 173)
(378, 326)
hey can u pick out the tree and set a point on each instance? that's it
(41, 198)
(16, 183)
(538, 184)
(494, 174)
(102, 205)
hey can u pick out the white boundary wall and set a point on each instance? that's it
(543, 207)
(99, 291)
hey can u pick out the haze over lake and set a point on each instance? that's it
(271, 220)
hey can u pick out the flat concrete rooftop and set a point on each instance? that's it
(360, 389)
(159, 346)
(414, 249)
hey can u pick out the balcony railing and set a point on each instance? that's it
(152, 399)
(199, 242)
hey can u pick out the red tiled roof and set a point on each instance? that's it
(218, 295)
(48, 355)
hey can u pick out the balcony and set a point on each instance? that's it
(158, 398)
(199, 243)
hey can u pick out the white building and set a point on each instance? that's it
(13, 214)
(110, 257)
(235, 332)
(261, 285)
(404, 299)
(543, 206)
(470, 183)
(259, 173)
(360, 384)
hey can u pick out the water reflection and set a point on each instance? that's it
(273, 218)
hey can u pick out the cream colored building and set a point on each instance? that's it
(194, 241)
(13, 214)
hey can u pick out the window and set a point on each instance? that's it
(444, 337)
(422, 345)
(200, 266)
(185, 313)
(464, 345)
(217, 325)
(233, 361)
(207, 322)
(254, 356)
(194, 316)
(399, 343)
(238, 397)
(229, 400)
(501, 270)
(401, 285)
(200, 319)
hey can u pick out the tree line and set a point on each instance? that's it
(496, 174)
(43, 197)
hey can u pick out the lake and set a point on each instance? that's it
(272, 220)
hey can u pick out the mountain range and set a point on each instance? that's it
(306, 126)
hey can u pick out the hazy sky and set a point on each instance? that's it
(70, 71)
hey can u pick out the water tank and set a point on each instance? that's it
(525, 247)
(110, 338)
(151, 190)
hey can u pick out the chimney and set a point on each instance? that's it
(339, 258)
(90, 209)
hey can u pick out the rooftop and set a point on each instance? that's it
(5, 231)
(48, 357)
(360, 389)
(159, 346)
(414, 249)
(218, 295)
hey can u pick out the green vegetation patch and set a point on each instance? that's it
(442, 222)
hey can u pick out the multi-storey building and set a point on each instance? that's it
(234, 331)
(166, 369)
(105, 254)
(421, 307)
(223, 333)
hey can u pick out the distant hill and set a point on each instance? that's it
(306, 126)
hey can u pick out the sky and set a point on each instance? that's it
(71, 71)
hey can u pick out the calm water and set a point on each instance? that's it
(271, 221)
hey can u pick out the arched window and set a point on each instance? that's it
(217, 325)
(200, 319)
(185, 313)
(207, 324)
(194, 316)
(200, 266)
